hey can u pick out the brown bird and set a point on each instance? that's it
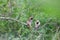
(29, 21)
(37, 24)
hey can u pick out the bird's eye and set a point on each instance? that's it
(31, 18)
(37, 22)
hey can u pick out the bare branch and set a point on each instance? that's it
(12, 19)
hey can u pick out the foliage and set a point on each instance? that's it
(14, 13)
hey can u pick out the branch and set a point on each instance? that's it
(8, 18)
(10, 7)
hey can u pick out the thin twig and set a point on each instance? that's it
(10, 7)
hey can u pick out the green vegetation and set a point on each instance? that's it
(14, 13)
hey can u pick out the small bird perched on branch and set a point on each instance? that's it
(37, 24)
(29, 21)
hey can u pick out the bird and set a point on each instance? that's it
(29, 21)
(37, 24)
